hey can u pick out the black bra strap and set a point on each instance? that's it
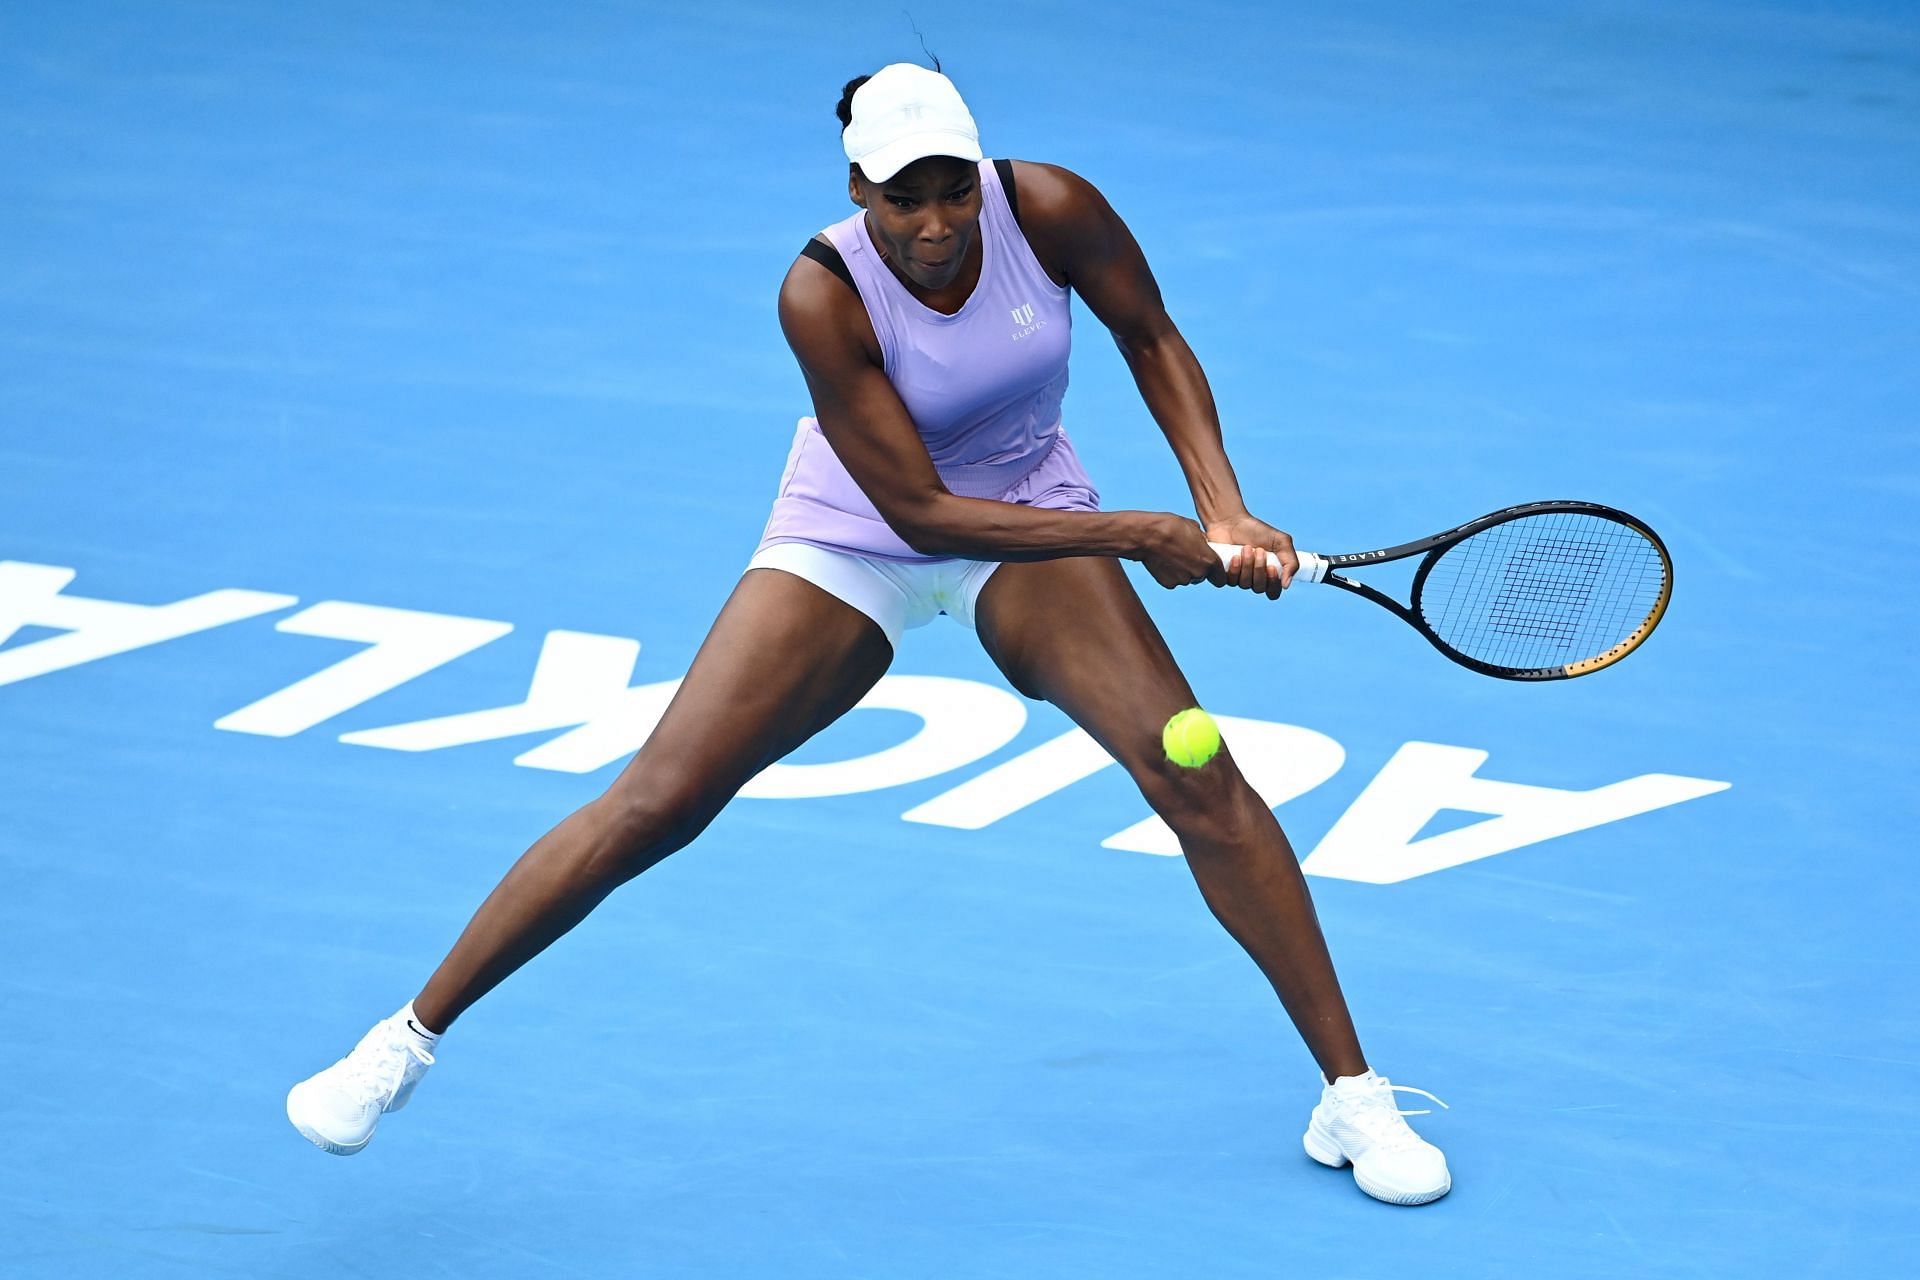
(829, 257)
(1005, 169)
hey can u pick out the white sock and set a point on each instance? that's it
(428, 1038)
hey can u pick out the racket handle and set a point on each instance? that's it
(1312, 567)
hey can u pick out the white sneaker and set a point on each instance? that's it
(337, 1109)
(1358, 1120)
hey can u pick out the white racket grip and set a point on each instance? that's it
(1312, 567)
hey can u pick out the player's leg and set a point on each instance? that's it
(783, 660)
(1074, 633)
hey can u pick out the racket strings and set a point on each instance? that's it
(1544, 590)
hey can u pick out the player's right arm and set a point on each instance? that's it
(871, 432)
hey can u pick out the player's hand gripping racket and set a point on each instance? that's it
(1542, 591)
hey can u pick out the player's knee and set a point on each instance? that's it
(1208, 807)
(645, 823)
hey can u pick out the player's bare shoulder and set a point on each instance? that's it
(1053, 192)
(811, 295)
(823, 318)
(1060, 211)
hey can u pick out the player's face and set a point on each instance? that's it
(924, 217)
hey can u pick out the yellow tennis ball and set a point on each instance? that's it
(1191, 738)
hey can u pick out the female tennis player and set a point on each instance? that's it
(932, 327)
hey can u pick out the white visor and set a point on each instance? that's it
(906, 113)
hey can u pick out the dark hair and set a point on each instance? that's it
(845, 108)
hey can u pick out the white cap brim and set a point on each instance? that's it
(901, 152)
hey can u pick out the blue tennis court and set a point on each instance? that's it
(394, 394)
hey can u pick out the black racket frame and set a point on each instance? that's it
(1438, 543)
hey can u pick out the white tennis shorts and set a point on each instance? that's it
(894, 594)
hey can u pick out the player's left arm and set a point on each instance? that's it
(1075, 231)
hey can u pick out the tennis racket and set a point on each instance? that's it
(1541, 591)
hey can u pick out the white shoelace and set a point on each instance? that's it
(1424, 1111)
(1375, 1114)
(378, 1072)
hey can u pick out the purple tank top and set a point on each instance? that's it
(983, 386)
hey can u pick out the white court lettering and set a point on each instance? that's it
(1374, 840)
(34, 595)
(580, 692)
